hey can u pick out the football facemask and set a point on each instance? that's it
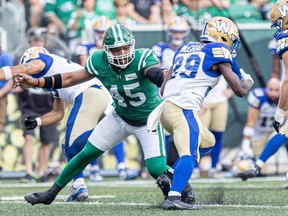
(119, 36)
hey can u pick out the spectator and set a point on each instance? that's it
(105, 8)
(122, 13)
(58, 14)
(81, 23)
(141, 10)
(162, 13)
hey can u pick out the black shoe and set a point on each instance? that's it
(43, 179)
(188, 195)
(172, 203)
(164, 182)
(28, 179)
(40, 198)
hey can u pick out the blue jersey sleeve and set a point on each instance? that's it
(48, 60)
(257, 97)
(282, 43)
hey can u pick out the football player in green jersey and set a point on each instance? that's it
(131, 76)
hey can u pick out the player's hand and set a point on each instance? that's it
(276, 126)
(246, 76)
(30, 123)
(279, 119)
(246, 148)
(23, 80)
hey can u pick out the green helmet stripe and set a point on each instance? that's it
(90, 67)
(142, 58)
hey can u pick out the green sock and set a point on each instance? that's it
(156, 166)
(78, 164)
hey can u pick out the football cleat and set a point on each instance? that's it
(176, 204)
(126, 174)
(164, 182)
(95, 176)
(45, 198)
(79, 194)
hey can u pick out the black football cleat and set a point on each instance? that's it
(188, 195)
(164, 183)
(40, 198)
(177, 204)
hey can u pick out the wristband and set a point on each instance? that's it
(36, 83)
(279, 115)
(7, 72)
(248, 131)
(39, 121)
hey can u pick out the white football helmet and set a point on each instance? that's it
(32, 53)
(178, 25)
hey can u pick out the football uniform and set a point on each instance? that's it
(81, 119)
(263, 128)
(191, 80)
(281, 47)
(164, 53)
(134, 96)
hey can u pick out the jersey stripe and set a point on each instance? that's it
(142, 58)
(90, 67)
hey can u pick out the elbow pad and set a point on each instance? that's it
(155, 74)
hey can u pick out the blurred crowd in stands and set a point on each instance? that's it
(73, 20)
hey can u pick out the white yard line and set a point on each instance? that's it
(17, 199)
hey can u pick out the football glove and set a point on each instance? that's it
(30, 123)
(279, 119)
(246, 76)
(247, 149)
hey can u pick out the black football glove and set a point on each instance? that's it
(30, 123)
(276, 126)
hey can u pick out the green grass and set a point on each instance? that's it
(142, 197)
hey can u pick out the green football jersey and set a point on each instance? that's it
(135, 96)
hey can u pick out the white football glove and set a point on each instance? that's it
(246, 76)
(247, 149)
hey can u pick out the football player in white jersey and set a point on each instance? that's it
(258, 128)
(37, 61)
(279, 21)
(177, 34)
(196, 69)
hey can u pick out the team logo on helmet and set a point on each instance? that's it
(223, 30)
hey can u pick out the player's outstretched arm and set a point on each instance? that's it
(56, 81)
(239, 87)
(32, 67)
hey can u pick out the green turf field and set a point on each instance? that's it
(259, 196)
